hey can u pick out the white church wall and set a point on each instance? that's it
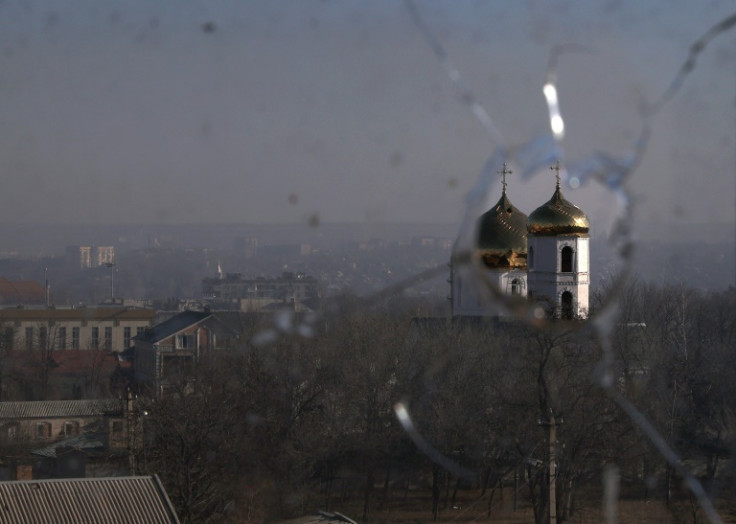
(471, 296)
(545, 254)
(583, 254)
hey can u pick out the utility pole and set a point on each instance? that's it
(131, 422)
(551, 425)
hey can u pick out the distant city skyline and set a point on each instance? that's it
(326, 112)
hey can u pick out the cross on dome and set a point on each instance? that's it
(505, 171)
(556, 169)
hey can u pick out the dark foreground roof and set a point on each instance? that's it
(101, 500)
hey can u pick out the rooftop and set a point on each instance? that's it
(174, 325)
(83, 313)
(60, 408)
(102, 500)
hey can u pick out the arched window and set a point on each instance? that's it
(566, 306)
(515, 287)
(566, 260)
(530, 257)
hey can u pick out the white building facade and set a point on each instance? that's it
(559, 263)
(59, 329)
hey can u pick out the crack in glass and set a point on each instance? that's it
(610, 171)
(529, 158)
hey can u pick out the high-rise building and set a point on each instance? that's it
(86, 257)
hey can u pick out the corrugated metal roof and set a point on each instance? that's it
(60, 408)
(101, 500)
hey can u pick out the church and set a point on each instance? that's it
(543, 257)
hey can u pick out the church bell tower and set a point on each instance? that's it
(558, 260)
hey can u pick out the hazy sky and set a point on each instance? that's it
(275, 111)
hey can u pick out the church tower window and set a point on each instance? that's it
(566, 306)
(566, 260)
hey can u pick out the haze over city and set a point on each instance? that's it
(324, 112)
(269, 261)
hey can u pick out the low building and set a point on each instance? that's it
(253, 294)
(285, 250)
(48, 421)
(118, 499)
(108, 328)
(168, 353)
(68, 438)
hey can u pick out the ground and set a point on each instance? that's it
(471, 508)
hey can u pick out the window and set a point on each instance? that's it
(140, 331)
(8, 338)
(566, 260)
(11, 431)
(62, 338)
(177, 367)
(566, 306)
(126, 337)
(530, 257)
(43, 430)
(185, 342)
(75, 338)
(515, 287)
(29, 338)
(95, 343)
(71, 428)
(43, 336)
(108, 338)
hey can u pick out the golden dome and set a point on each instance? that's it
(501, 240)
(558, 217)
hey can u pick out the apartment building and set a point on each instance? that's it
(86, 257)
(105, 328)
